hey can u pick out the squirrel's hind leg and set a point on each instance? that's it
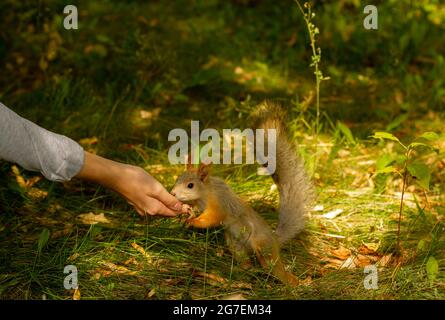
(270, 260)
(239, 250)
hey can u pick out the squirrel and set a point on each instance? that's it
(246, 232)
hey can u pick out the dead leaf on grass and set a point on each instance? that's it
(369, 248)
(18, 177)
(341, 253)
(91, 218)
(131, 261)
(241, 285)
(118, 269)
(150, 114)
(37, 194)
(27, 185)
(306, 282)
(76, 294)
(236, 296)
(142, 251)
(151, 293)
(363, 261)
(73, 257)
(385, 260)
(331, 265)
(111, 269)
(214, 279)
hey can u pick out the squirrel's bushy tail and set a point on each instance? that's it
(293, 185)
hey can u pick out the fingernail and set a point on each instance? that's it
(178, 206)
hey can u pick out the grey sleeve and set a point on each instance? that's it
(57, 157)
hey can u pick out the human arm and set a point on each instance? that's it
(60, 158)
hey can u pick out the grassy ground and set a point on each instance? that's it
(134, 71)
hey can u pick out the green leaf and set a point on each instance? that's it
(421, 172)
(432, 268)
(430, 136)
(384, 135)
(421, 245)
(384, 161)
(388, 169)
(43, 240)
(419, 144)
(346, 132)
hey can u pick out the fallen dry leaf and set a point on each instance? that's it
(113, 269)
(142, 251)
(131, 261)
(32, 181)
(306, 282)
(76, 294)
(151, 293)
(332, 263)
(236, 296)
(362, 261)
(152, 114)
(368, 248)
(73, 256)
(335, 261)
(384, 261)
(241, 285)
(33, 193)
(91, 218)
(117, 269)
(100, 273)
(331, 266)
(37, 194)
(341, 253)
(214, 279)
(160, 265)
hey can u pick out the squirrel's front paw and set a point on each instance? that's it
(187, 208)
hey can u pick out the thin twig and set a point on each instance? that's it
(405, 174)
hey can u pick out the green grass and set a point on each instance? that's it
(134, 71)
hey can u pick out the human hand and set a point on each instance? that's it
(138, 187)
(145, 193)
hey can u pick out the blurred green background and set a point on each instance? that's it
(199, 58)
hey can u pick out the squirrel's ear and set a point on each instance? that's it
(203, 170)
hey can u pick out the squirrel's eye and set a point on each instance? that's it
(190, 185)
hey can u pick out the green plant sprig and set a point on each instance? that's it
(316, 55)
(417, 170)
